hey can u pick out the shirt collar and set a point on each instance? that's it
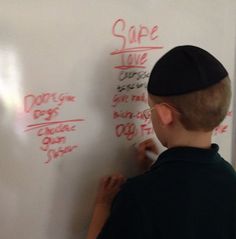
(190, 154)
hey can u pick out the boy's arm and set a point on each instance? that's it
(125, 220)
(108, 188)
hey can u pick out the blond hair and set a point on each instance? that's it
(201, 110)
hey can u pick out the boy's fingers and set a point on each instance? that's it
(116, 180)
(113, 182)
(152, 147)
(106, 181)
(148, 144)
(142, 148)
(148, 141)
(121, 179)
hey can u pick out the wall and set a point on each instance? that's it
(72, 83)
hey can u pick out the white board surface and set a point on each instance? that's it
(72, 86)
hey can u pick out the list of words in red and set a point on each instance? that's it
(45, 110)
(136, 42)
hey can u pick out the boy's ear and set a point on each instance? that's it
(165, 114)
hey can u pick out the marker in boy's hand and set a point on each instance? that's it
(144, 162)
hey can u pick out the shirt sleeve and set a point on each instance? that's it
(124, 220)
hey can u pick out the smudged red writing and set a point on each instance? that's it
(117, 99)
(222, 128)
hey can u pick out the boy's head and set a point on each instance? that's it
(194, 87)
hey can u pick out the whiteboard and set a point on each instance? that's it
(72, 87)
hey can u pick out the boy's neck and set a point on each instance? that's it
(190, 139)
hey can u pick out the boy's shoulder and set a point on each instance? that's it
(182, 171)
(143, 181)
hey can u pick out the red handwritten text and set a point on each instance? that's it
(134, 46)
(134, 60)
(222, 128)
(123, 98)
(48, 141)
(31, 101)
(128, 130)
(129, 115)
(59, 152)
(131, 130)
(61, 128)
(47, 114)
(53, 134)
(133, 34)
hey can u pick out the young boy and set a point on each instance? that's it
(190, 191)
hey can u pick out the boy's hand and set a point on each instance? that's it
(108, 188)
(144, 163)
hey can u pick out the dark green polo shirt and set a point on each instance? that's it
(189, 193)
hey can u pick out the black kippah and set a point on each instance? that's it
(185, 69)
